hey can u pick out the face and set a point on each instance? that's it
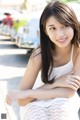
(59, 34)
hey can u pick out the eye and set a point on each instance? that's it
(52, 28)
(67, 25)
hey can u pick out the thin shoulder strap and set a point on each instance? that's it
(72, 52)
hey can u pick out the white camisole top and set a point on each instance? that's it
(64, 69)
(57, 71)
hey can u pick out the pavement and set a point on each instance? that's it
(7, 111)
(13, 61)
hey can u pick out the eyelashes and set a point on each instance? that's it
(52, 28)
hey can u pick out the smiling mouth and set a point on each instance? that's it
(62, 40)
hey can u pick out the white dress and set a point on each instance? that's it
(53, 109)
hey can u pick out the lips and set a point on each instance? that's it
(61, 40)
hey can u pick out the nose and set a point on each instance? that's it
(60, 33)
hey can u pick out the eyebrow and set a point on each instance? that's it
(51, 26)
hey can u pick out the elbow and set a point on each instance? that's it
(21, 102)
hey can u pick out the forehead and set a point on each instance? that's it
(52, 21)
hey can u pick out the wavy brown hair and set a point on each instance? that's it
(64, 15)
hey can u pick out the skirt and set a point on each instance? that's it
(53, 109)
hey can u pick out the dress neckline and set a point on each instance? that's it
(70, 62)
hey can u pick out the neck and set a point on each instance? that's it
(63, 51)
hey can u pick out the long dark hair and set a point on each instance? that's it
(64, 15)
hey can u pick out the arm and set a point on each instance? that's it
(28, 80)
(33, 67)
(39, 94)
(58, 92)
(23, 102)
(42, 94)
(45, 87)
(24, 96)
(70, 80)
(64, 86)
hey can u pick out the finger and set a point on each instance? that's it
(73, 85)
(8, 101)
(77, 83)
(72, 72)
(73, 82)
(10, 98)
(76, 79)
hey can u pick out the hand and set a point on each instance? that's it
(70, 81)
(15, 95)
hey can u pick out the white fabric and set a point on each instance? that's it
(53, 109)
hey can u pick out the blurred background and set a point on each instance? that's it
(17, 18)
(19, 35)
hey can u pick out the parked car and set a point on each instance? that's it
(28, 35)
(17, 24)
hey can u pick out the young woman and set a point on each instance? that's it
(58, 59)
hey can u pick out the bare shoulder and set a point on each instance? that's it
(36, 53)
(76, 54)
(35, 57)
(77, 50)
(77, 61)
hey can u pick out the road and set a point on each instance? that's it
(13, 61)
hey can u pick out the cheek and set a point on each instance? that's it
(52, 38)
(50, 34)
(71, 32)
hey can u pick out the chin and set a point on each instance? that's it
(63, 46)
